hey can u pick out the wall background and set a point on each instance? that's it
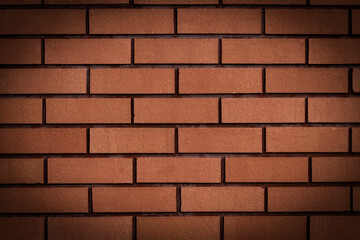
(184, 119)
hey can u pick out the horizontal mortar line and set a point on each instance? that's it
(179, 36)
(200, 155)
(179, 65)
(179, 214)
(185, 95)
(164, 185)
(170, 6)
(175, 125)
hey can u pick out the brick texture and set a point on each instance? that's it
(179, 119)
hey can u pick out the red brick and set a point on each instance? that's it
(176, 2)
(263, 110)
(334, 227)
(266, 2)
(222, 199)
(87, 51)
(356, 139)
(220, 80)
(306, 21)
(21, 170)
(356, 198)
(176, 51)
(43, 200)
(263, 51)
(176, 110)
(42, 81)
(356, 80)
(88, 110)
(191, 170)
(19, 228)
(266, 169)
(355, 21)
(132, 81)
(70, 2)
(90, 228)
(20, 51)
(42, 140)
(246, 21)
(131, 21)
(20, 110)
(334, 51)
(334, 2)
(308, 199)
(334, 109)
(42, 21)
(223, 140)
(19, 2)
(265, 228)
(178, 228)
(132, 140)
(306, 80)
(302, 139)
(131, 199)
(335, 169)
(90, 170)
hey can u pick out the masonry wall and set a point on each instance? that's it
(183, 119)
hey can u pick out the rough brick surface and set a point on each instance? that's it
(18, 170)
(20, 51)
(356, 199)
(356, 139)
(356, 21)
(31, 228)
(266, 2)
(356, 80)
(56, 2)
(20, 110)
(181, 2)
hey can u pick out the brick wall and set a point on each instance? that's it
(180, 119)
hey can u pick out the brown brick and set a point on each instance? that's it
(335, 169)
(306, 80)
(220, 80)
(43, 140)
(19, 2)
(176, 110)
(356, 80)
(90, 228)
(178, 228)
(334, 109)
(20, 51)
(187, 170)
(43, 200)
(131, 199)
(306, 21)
(334, 2)
(21, 170)
(42, 81)
(176, 51)
(334, 51)
(302, 139)
(231, 21)
(224, 140)
(176, 2)
(70, 2)
(308, 199)
(356, 198)
(132, 140)
(131, 21)
(355, 21)
(87, 51)
(222, 199)
(266, 169)
(356, 139)
(19, 228)
(263, 51)
(90, 170)
(132, 81)
(265, 228)
(42, 21)
(263, 110)
(334, 227)
(266, 2)
(20, 110)
(88, 110)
